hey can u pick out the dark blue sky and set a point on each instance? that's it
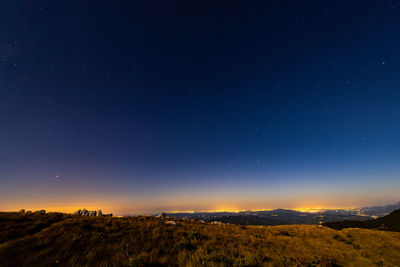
(150, 105)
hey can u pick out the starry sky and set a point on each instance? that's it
(144, 106)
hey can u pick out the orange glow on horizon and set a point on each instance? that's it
(310, 210)
(69, 209)
(319, 209)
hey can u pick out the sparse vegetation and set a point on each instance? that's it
(66, 240)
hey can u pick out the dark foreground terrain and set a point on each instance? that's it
(389, 222)
(55, 239)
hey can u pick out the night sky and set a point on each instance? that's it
(144, 106)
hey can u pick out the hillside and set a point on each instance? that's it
(380, 211)
(55, 239)
(389, 222)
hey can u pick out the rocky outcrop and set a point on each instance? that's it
(77, 212)
(85, 212)
(92, 213)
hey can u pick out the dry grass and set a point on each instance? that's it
(148, 241)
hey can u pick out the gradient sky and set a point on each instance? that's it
(143, 106)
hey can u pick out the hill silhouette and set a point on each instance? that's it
(55, 239)
(380, 211)
(389, 222)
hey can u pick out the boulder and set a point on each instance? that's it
(162, 215)
(99, 213)
(78, 212)
(85, 212)
(42, 211)
(170, 222)
(217, 222)
(21, 210)
(92, 213)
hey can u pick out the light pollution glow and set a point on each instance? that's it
(125, 205)
(68, 195)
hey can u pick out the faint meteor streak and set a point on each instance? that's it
(236, 159)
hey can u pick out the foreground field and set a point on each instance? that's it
(56, 239)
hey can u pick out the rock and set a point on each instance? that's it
(21, 210)
(161, 215)
(170, 222)
(40, 212)
(77, 212)
(85, 212)
(29, 211)
(92, 213)
(217, 222)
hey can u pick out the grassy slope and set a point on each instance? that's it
(140, 241)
